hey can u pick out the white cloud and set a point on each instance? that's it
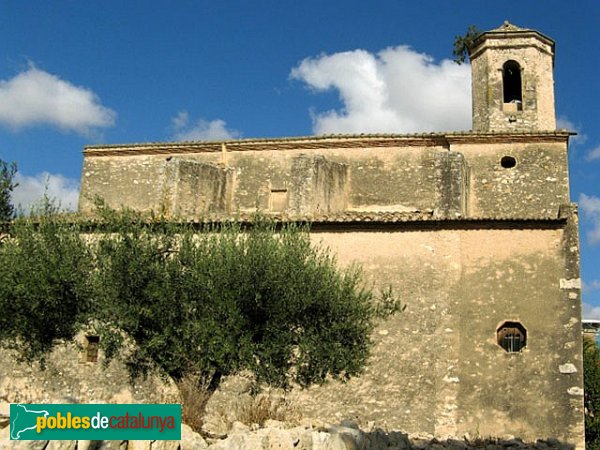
(593, 285)
(563, 123)
(590, 206)
(35, 97)
(593, 154)
(590, 312)
(396, 90)
(181, 120)
(201, 130)
(31, 189)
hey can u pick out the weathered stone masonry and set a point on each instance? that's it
(474, 230)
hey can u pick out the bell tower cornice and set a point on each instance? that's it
(504, 36)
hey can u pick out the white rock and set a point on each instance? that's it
(191, 440)
(138, 445)
(61, 445)
(336, 442)
(270, 423)
(85, 445)
(112, 445)
(164, 445)
(575, 391)
(279, 439)
(448, 379)
(353, 438)
(320, 440)
(567, 368)
(249, 441)
(573, 283)
(7, 444)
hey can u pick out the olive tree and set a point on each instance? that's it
(7, 185)
(215, 301)
(188, 302)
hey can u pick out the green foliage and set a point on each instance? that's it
(225, 299)
(462, 44)
(45, 291)
(194, 304)
(591, 376)
(7, 184)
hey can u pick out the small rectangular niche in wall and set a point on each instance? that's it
(278, 200)
(91, 349)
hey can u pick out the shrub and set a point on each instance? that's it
(462, 44)
(591, 377)
(45, 287)
(7, 185)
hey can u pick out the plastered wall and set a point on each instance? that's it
(460, 176)
(437, 367)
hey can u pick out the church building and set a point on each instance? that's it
(475, 231)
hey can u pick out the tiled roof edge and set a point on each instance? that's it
(459, 135)
(350, 217)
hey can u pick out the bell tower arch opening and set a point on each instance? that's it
(512, 88)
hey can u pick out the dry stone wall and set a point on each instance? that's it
(281, 436)
(68, 378)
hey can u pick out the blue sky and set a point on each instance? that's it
(88, 72)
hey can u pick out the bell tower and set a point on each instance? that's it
(512, 80)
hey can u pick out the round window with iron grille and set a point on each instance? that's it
(512, 337)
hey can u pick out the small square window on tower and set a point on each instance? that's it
(91, 349)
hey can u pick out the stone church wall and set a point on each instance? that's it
(437, 367)
(451, 176)
(473, 230)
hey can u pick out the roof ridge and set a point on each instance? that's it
(330, 137)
